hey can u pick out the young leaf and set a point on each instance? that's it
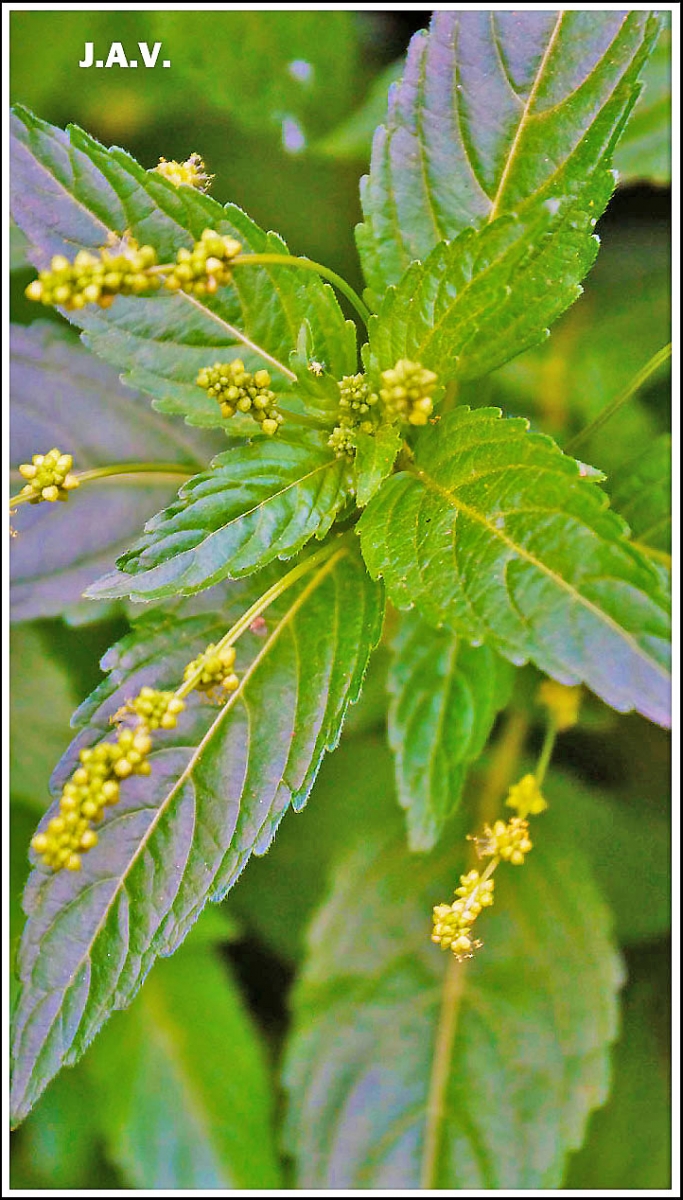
(257, 503)
(62, 396)
(497, 111)
(641, 492)
(480, 300)
(375, 456)
(445, 697)
(218, 789)
(182, 1078)
(494, 533)
(520, 1068)
(71, 193)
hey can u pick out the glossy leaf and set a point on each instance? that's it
(183, 1080)
(535, 1014)
(219, 786)
(62, 396)
(496, 111)
(641, 492)
(257, 503)
(644, 152)
(375, 456)
(480, 300)
(70, 192)
(495, 534)
(445, 698)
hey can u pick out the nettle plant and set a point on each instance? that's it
(351, 476)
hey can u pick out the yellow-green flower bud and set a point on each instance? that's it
(406, 392)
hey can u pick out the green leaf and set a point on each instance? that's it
(526, 1061)
(39, 733)
(641, 492)
(644, 152)
(183, 1081)
(70, 193)
(628, 1147)
(480, 300)
(497, 111)
(494, 533)
(445, 698)
(62, 396)
(375, 456)
(219, 786)
(257, 503)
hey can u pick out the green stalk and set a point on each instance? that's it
(135, 468)
(610, 409)
(307, 264)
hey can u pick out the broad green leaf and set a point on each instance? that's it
(70, 192)
(39, 731)
(628, 1147)
(480, 300)
(219, 786)
(375, 456)
(445, 698)
(352, 139)
(595, 351)
(644, 152)
(290, 72)
(183, 1081)
(497, 112)
(494, 533)
(257, 503)
(627, 844)
(62, 396)
(641, 492)
(527, 1058)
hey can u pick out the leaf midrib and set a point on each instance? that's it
(453, 500)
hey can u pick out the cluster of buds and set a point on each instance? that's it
(508, 840)
(562, 702)
(356, 402)
(526, 797)
(93, 787)
(453, 922)
(192, 172)
(206, 267)
(156, 709)
(215, 669)
(48, 477)
(121, 269)
(237, 390)
(406, 392)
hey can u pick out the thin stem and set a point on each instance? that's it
(610, 409)
(307, 264)
(546, 752)
(259, 606)
(501, 770)
(139, 468)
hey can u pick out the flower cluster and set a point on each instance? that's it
(237, 390)
(526, 797)
(48, 476)
(406, 392)
(356, 402)
(192, 172)
(216, 669)
(206, 267)
(508, 840)
(453, 922)
(121, 269)
(562, 702)
(92, 787)
(158, 710)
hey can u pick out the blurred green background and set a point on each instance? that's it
(280, 105)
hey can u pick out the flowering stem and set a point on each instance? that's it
(610, 409)
(135, 468)
(307, 264)
(546, 752)
(498, 777)
(259, 606)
